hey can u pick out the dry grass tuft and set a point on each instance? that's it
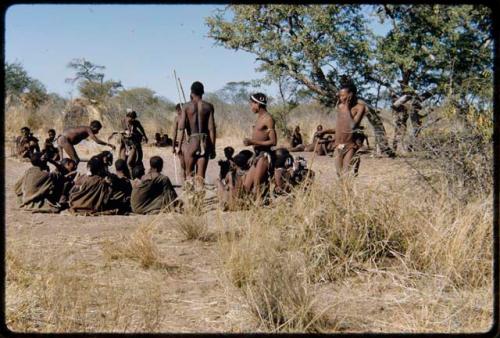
(139, 247)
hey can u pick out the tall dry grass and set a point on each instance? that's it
(336, 232)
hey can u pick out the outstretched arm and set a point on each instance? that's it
(326, 131)
(98, 141)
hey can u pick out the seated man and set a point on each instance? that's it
(154, 193)
(297, 144)
(50, 146)
(166, 141)
(26, 144)
(158, 142)
(321, 144)
(92, 191)
(38, 189)
(289, 172)
(121, 188)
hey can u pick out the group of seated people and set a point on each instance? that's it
(162, 140)
(98, 191)
(323, 142)
(285, 174)
(26, 145)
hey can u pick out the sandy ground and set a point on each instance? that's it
(192, 297)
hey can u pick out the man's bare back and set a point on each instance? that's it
(77, 134)
(197, 120)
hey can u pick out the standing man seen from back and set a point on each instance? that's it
(197, 118)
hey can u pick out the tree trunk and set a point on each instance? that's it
(379, 131)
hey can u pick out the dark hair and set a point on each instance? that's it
(228, 152)
(197, 88)
(132, 114)
(121, 165)
(52, 131)
(37, 160)
(178, 106)
(138, 171)
(66, 161)
(319, 126)
(282, 158)
(156, 162)
(95, 165)
(106, 154)
(242, 158)
(95, 125)
(351, 88)
(25, 129)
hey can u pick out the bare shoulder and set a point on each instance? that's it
(209, 106)
(268, 118)
(360, 106)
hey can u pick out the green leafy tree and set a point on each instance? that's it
(318, 46)
(236, 92)
(442, 50)
(91, 82)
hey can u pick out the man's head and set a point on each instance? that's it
(156, 163)
(178, 108)
(122, 168)
(283, 158)
(95, 126)
(25, 131)
(319, 127)
(347, 94)
(68, 164)
(297, 129)
(158, 137)
(52, 133)
(131, 114)
(95, 165)
(228, 152)
(258, 101)
(138, 171)
(107, 158)
(197, 89)
(38, 160)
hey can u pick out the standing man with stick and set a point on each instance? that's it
(197, 119)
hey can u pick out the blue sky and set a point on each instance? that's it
(138, 44)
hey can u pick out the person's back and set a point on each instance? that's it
(154, 192)
(38, 187)
(92, 192)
